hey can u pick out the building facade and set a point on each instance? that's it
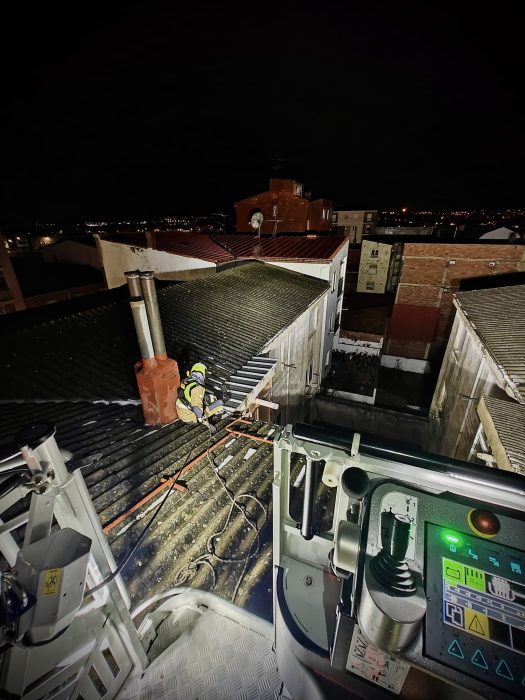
(379, 267)
(355, 224)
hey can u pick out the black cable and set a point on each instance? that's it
(14, 472)
(132, 549)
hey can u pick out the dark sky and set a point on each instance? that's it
(155, 108)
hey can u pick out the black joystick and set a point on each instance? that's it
(389, 567)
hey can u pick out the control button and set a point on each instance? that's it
(454, 649)
(483, 523)
(479, 660)
(503, 670)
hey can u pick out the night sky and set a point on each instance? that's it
(157, 109)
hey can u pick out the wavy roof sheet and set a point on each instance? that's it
(509, 420)
(498, 317)
(296, 248)
(223, 320)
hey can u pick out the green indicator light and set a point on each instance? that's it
(451, 537)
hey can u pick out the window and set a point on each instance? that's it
(327, 360)
(374, 253)
(372, 269)
(370, 285)
(334, 280)
(332, 325)
(368, 216)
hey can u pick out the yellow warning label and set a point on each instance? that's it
(477, 623)
(51, 581)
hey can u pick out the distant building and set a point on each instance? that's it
(355, 224)
(28, 280)
(379, 267)
(499, 234)
(284, 209)
(404, 230)
(479, 400)
(72, 252)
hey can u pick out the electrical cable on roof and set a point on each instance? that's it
(204, 559)
(132, 549)
(209, 545)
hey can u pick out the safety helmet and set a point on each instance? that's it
(199, 367)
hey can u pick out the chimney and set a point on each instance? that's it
(158, 376)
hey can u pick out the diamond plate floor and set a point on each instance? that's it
(200, 654)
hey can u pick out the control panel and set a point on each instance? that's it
(476, 589)
(472, 565)
(396, 568)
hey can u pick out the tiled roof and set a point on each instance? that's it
(222, 320)
(297, 248)
(498, 316)
(123, 461)
(509, 420)
(190, 245)
(194, 245)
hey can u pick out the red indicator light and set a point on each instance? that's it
(483, 523)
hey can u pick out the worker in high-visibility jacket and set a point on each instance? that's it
(195, 404)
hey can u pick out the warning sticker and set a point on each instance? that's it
(51, 581)
(367, 661)
(477, 623)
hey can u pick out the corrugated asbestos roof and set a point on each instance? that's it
(498, 316)
(122, 461)
(296, 248)
(509, 420)
(223, 320)
(76, 371)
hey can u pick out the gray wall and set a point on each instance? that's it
(392, 425)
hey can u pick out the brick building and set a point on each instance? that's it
(431, 272)
(284, 210)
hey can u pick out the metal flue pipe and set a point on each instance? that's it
(140, 316)
(147, 283)
(307, 528)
